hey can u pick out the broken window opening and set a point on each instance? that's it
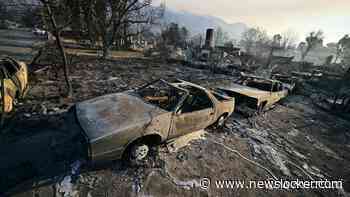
(197, 100)
(161, 95)
(276, 87)
(10, 67)
(241, 99)
(3, 73)
(220, 96)
(263, 85)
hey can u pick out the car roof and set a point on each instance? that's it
(243, 75)
(181, 84)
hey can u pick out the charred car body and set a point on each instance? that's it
(131, 121)
(14, 82)
(255, 94)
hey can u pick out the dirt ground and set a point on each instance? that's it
(294, 140)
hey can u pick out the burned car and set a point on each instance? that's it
(129, 123)
(14, 82)
(176, 55)
(255, 94)
(288, 81)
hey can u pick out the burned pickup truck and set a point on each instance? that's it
(129, 123)
(255, 94)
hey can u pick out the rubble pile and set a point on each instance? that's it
(94, 77)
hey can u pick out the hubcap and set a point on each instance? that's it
(140, 152)
(221, 121)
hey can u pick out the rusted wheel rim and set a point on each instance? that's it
(221, 121)
(140, 152)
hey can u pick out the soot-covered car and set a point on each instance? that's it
(129, 123)
(255, 94)
(13, 82)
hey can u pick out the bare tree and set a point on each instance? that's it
(312, 41)
(221, 37)
(343, 50)
(338, 52)
(175, 35)
(110, 20)
(56, 18)
(254, 39)
(197, 40)
(301, 47)
(275, 44)
(289, 39)
(56, 31)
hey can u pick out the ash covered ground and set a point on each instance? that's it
(294, 140)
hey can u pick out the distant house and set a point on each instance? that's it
(138, 42)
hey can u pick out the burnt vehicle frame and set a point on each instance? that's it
(14, 82)
(125, 125)
(255, 94)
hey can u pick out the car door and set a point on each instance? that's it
(7, 95)
(277, 92)
(281, 91)
(22, 77)
(197, 112)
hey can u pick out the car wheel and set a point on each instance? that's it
(221, 121)
(261, 108)
(139, 152)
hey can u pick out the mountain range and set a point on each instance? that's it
(197, 24)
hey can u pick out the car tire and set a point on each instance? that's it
(138, 153)
(261, 108)
(221, 121)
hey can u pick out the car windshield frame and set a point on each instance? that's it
(175, 106)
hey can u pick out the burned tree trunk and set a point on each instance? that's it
(56, 33)
(269, 58)
(105, 48)
(305, 53)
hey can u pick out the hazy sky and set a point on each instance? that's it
(303, 16)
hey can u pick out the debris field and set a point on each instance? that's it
(294, 139)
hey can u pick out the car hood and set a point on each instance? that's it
(247, 91)
(110, 114)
